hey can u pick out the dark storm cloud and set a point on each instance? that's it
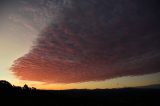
(94, 40)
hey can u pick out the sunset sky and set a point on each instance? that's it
(65, 44)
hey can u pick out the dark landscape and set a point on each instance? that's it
(78, 97)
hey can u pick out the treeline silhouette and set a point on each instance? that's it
(83, 97)
(8, 90)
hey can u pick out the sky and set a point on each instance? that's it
(66, 44)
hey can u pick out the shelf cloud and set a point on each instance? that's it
(93, 40)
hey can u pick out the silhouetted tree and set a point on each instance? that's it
(17, 88)
(25, 87)
(5, 85)
(33, 88)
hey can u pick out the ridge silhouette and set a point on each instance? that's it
(78, 97)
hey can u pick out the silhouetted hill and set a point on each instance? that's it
(154, 86)
(99, 97)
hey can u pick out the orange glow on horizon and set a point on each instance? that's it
(112, 83)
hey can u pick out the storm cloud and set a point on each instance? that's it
(93, 40)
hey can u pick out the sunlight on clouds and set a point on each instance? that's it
(22, 22)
